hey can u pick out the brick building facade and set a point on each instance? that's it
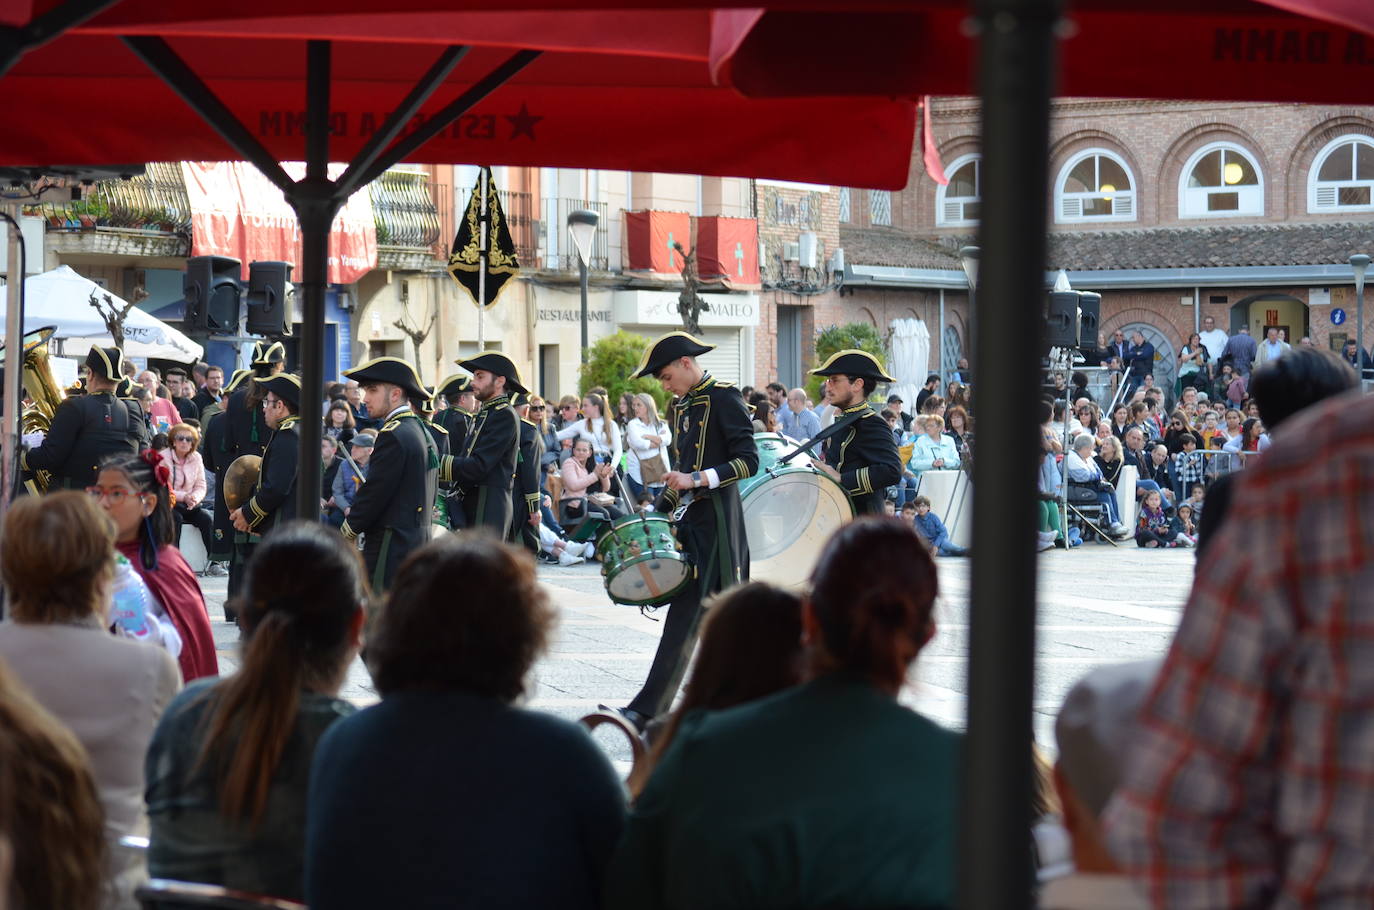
(1173, 211)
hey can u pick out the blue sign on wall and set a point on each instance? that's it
(1337, 316)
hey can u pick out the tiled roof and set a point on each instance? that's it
(1136, 248)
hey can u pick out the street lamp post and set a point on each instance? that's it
(1359, 262)
(582, 229)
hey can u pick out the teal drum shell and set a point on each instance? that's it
(642, 562)
(772, 448)
(790, 511)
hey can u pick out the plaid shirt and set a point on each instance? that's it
(1189, 468)
(1250, 779)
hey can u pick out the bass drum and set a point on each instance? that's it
(789, 513)
(772, 447)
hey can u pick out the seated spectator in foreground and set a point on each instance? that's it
(751, 646)
(1183, 529)
(933, 529)
(189, 484)
(582, 479)
(1246, 782)
(57, 561)
(828, 794)
(51, 823)
(134, 491)
(446, 794)
(229, 765)
(1093, 730)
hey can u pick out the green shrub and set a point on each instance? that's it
(612, 361)
(851, 336)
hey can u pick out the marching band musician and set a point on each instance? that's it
(862, 458)
(525, 513)
(393, 508)
(245, 429)
(484, 472)
(139, 433)
(456, 419)
(274, 499)
(712, 448)
(86, 428)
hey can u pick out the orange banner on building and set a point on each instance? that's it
(650, 237)
(237, 212)
(728, 249)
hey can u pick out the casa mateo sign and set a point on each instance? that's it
(659, 308)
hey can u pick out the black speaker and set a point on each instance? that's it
(211, 288)
(268, 313)
(1089, 316)
(1061, 320)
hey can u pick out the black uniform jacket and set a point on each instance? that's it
(274, 499)
(458, 423)
(712, 430)
(393, 507)
(866, 457)
(84, 430)
(246, 432)
(525, 493)
(140, 433)
(440, 437)
(484, 473)
(216, 462)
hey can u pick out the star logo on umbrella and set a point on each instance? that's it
(522, 124)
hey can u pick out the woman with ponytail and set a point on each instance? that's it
(828, 794)
(135, 492)
(229, 765)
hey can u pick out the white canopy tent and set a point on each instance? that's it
(910, 360)
(62, 299)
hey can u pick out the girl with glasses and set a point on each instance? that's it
(188, 484)
(135, 492)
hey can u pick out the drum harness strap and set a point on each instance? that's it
(833, 430)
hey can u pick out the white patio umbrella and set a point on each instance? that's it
(910, 362)
(61, 298)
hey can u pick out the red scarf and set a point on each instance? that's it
(174, 585)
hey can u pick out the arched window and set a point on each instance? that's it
(1095, 185)
(1220, 180)
(1342, 176)
(959, 202)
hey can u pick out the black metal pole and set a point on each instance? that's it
(582, 276)
(1016, 65)
(316, 202)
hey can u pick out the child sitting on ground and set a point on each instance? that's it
(930, 525)
(1152, 527)
(1183, 529)
(1194, 500)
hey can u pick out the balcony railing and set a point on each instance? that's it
(153, 201)
(519, 212)
(557, 247)
(405, 211)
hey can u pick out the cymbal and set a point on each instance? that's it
(241, 479)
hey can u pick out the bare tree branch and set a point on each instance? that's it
(113, 316)
(690, 304)
(416, 334)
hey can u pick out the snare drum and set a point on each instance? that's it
(641, 560)
(789, 513)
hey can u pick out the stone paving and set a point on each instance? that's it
(1098, 605)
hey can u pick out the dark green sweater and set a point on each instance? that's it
(830, 794)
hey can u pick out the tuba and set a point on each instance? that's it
(38, 380)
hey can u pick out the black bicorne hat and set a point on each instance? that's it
(455, 385)
(673, 346)
(854, 363)
(393, 370)
(498, 364)
(284, 385)
(106, 363)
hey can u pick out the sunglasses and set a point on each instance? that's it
(182, 439)
(537, 407)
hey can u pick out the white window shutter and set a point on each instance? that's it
(954, 211)
(1071, 207)
(1124, 206)
(1326, 197)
